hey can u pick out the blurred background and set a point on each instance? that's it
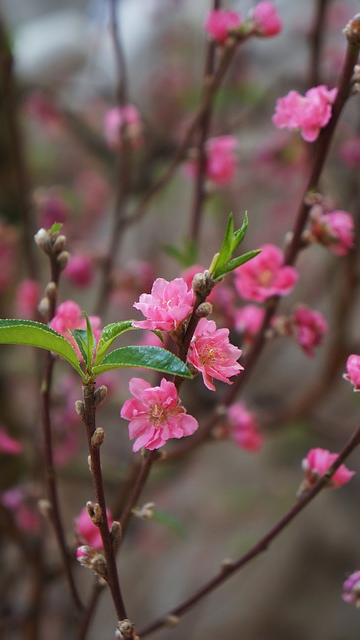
(59, 78)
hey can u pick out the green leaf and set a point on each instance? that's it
(109, 334)
(225, 251)
(155, 358)
(35, 334)
(90, 342)
(80, 338)
(237, 262)
(56, 227)
(240, 234)
(185, 256)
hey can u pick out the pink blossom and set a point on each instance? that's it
(318, 462)
(267, 19)
(334, 230)
(51, 207)
(20, 501)
(310, 328)
(9, 445)
(155, 414)
(87, 532)
(221, 161)
(127, 117)
(309, 113)
(220, 23)
(27, 299)
(211, 353)
(243, 427)
(265, 276)
(79, 270)
(351, 589)
(69, 317)
(166, 307)
(350, 152)
(353, 371)
(248, 321)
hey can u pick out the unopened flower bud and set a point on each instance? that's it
(126, 629)
(199, 283)
(80, 409)
(204, 310)
(44, 307)
(98, 437)
(95, 512)
(59, 244)
(45, 507)
(352, 30)
(146, 512)
(51, 290)
(62, 259)
(91, 559)
(116, 532)
(100, 396)
(172, 621)
(42, 240)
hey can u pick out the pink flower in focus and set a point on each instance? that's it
(310, 327)
(267, 19)
(87, 532)
(265, 276)
(248, 321)
(351, 589)
(166, 307)
(309, 113)
(69, 317)
(318, 462)
(9, 445)
(353, 371)
(334, 230)
(128, 118)
(219, 23)
(243, 427)
(211, 353)
(155, 414)
(79, 270)
(27, 299)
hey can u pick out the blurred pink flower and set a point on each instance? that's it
(69, 317)
(351, 589)
(27, 299)
(267, 19)
(265, 276)
(155, 414)
(318, 462)
(353, 371)
(334, 230)
(20, 501)
(349, 152)
(87, 532)
(310, 328)
(211, 353)
(128, 118)
(166, 307)
(9, 445)
(79, 270)
(248, 321)
(221, 159)
(243, 427)
(309, 113)
(219, 23)
(51, 207)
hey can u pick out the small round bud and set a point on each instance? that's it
(126, 629)
(44, 307)
(59, 244)
(199, 283)
(172, 621)
(95, 512)
(80, 409)
(204, 310)
(98, 437)
(62, 259)
(42, 240)
(116, 532)
(45, 507)
(100, 396)
(51, 290)
(352, 30)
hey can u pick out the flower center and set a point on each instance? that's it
(157, 415)
(265, 278)
(208, 355)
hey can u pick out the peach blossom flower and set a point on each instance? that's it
(353, 371)
(309, 113)
(221, 160)
(265, 276)
(310, 328)
(79, 270)
(211, 353)
(69, 317)
(248, 321)
(318, 462)
(219, 24)
(166, 307)
(243, 427)
(267, 19)
(351, 589)
(334, 230)
(87, 532)
(155, 414)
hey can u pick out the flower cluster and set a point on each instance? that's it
(263, 21)
(155, 414)
(212, 354)
(318, 462)
(265, 276)
(267, 21)
(219, 24)
(310, 113)
(69, 317)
